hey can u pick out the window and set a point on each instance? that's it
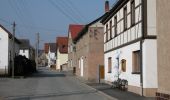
(136, 62)
(106, 32)
(123, 65)
(110, 29)
(79, 63)
(125, 18)
(109, 65)
(115, 22)
(132, 12)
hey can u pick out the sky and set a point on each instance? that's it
(49, 18)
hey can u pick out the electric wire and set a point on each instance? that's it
(62, 11)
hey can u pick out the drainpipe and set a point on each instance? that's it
(118, 66)
(141, 49)
(141, 65)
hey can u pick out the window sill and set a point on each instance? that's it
(135, 72)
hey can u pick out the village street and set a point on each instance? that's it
(47, 85)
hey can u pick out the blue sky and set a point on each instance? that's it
(50, 18)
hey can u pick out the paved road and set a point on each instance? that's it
(47, 85)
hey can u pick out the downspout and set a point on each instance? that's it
(141, 49)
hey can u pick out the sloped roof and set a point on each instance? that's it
(114, 10)
(62, 44)
(85, 28)
(46, 47)
(25, 44)
(74, 29)
(9, 34)
(52, 47)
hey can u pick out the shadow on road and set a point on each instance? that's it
(117, 93)
(49, 95)
(43, 73)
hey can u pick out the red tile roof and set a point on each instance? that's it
(52, 47)
(74, 29)
(46, 47)
(62, 44)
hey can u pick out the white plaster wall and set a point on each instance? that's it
(24, 53)
(4, 49)
(151, 17)
(61, 59)
(125, 53)
(51, 56)
(129, 35)
(150, 64)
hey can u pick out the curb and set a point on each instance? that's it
(100, 92)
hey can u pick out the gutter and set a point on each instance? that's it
(141, 48)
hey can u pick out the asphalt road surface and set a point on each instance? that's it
(47, 85)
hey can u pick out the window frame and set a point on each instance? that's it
(115, 24)
(110, 29)
(136, 60)
(132, 12)
(110, 65)
(125, 17)
(107, 32)
(123, 65)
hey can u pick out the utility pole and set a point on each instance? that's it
(13, 62)
(37, 49)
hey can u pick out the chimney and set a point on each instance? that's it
(107, 6)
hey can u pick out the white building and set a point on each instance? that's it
(51, 56)
(62, 52)
(6, 51)
(26, 49)
(130, 45)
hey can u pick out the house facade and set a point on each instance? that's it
(50, 51)
(163, 21)
(73, 30)
(42, 60)
(62, 52)
(52, 54)
(6, 51)
(26, 49)
(89, 51)
(130, 45)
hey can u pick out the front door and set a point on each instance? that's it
(101, 71)
(81, 64)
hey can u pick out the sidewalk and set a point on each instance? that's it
(111, 92)
(116, 93)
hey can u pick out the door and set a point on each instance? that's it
(101, 72)
(81, 65)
